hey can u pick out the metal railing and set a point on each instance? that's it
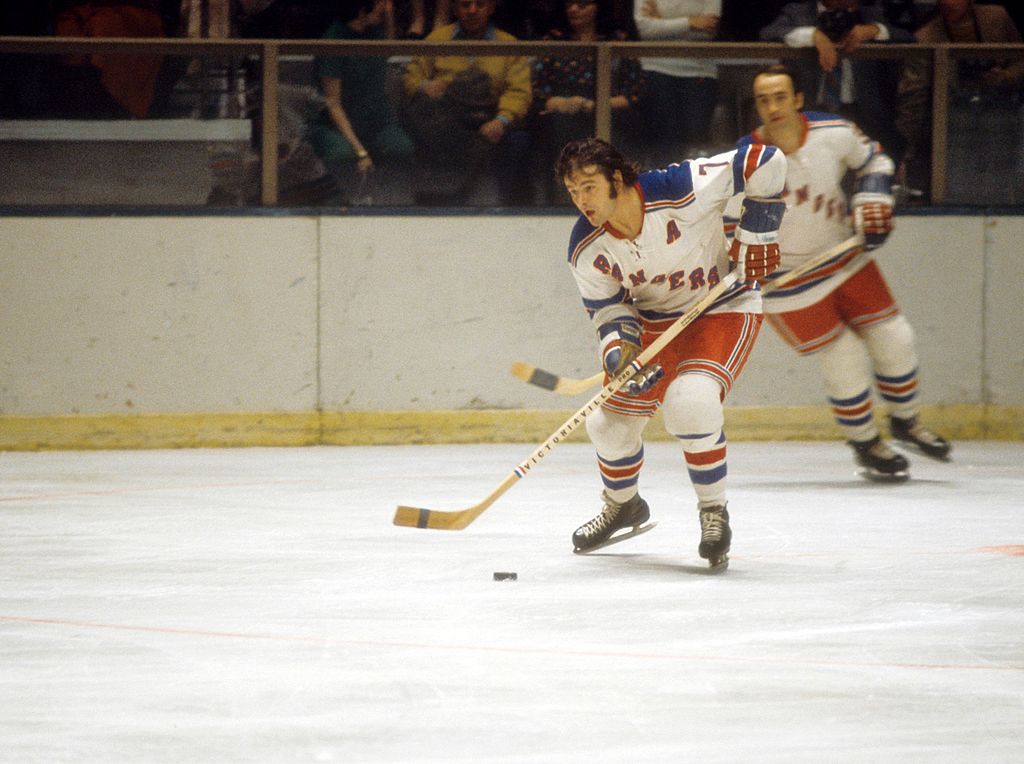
(943, 57)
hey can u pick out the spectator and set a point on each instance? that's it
(681, 93)
(564, 87)
(863, 90)
(523, 19)
(357, 130)
(302, 178)
(461, 111)
(985, 96)
(108, 84)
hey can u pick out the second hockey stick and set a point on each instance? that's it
(573, 386)
(419, 517)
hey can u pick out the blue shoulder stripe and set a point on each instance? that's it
(672, 186)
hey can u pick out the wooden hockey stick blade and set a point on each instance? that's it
(421, 517)
(418, 517)
(573, 386)
(552, 382)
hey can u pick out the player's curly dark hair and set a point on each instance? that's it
(601, 154)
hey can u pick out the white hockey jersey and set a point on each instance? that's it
(817, 214)
(681, 251)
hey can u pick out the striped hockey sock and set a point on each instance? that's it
(707, 468)
(855, 415)
(620, 476)
(900, 393)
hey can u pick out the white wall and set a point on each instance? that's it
(236, 314)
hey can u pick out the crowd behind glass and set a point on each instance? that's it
(483, 131)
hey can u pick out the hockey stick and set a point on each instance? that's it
(417, 517)
(572, 386)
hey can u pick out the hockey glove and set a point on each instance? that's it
(755, 247)
(619, 356)
(644, 379)
(755, 261)
(873, 220)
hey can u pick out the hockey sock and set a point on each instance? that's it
(693, 414)
(620, 476)
(891, 345)
(620, 451)
(846, 368)
(708, 469)
(855, 415)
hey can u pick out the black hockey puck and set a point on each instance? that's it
(505, 576)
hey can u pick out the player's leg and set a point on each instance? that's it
(891, 345)
(706, 363)
(618, 438)
(820, 330)
(889, 339)
(693, 414)
(846, 372)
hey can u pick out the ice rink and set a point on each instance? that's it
(258, 605)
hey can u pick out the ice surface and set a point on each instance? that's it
(258, 605)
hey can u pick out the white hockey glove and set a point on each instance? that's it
(873, 220)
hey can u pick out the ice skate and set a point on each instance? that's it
(880, 462)
(915, 435)
(715, 536)
(603, 530)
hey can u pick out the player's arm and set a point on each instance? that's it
(759, 172)
(872, 195)
(619, 335)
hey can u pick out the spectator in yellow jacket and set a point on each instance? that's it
(460, 111)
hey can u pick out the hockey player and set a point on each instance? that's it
(843, 311)
(645, 249)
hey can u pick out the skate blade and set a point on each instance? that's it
(884, 477)
(913, 448)
(718, 564)
(638, 530)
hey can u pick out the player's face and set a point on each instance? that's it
(777, 104)
(592, 193)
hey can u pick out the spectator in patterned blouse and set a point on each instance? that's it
(564, 87)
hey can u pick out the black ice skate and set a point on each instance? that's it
(715, 536)
(880, 462)
(915, 435)
(604, 529)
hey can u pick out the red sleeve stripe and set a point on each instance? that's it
(754, 154)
